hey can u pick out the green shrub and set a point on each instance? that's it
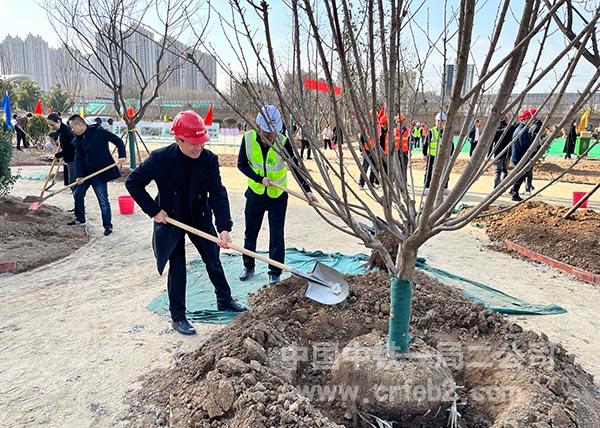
(7, 180)
(38, 128)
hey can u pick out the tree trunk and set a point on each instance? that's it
(132, 145)
(400, 301)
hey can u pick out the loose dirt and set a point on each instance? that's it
(259, 371)
(33, 238)
(30, 156)
(540, 227)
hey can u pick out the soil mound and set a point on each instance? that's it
(32, 238)
(272, 366)
(540, 227)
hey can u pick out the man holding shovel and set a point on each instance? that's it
(190, 191)
(261, 161)
(66, 139)
(91, 155)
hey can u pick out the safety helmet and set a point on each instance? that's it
(525, 115)
(189, 126)
(440, 116)
(532, 111)
(418, 123)
(269, 119)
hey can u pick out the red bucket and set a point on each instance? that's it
(577, 196)
(126, 205)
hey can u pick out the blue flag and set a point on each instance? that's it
(7, 110)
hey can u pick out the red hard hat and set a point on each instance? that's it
(189, 126)
(524, 115)
(532, 111)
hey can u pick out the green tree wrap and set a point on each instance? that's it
(131, 137)
(400, 304)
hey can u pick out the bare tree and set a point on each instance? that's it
(105, 37)
(358, 44)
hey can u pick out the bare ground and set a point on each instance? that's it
(75, 336)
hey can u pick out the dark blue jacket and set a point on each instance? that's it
(522, 144)
(92, 153)
(206, 196)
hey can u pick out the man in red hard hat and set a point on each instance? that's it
(189, 190)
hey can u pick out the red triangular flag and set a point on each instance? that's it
(381, 113)
(208, 118)
(38, 107)
(130, 111)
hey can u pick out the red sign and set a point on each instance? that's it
(321, 86)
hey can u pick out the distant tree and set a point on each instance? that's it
(27, 94)
(58, 99)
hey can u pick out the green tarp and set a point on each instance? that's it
(201, 305)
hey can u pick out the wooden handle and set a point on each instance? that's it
(304, 198)
(73, 184)
(47, 177)
(234, 247)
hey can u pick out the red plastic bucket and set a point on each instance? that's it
(577, 197)
(126, 205)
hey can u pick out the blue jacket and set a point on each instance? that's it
(92, 152)
(206, 196)
(522, 144)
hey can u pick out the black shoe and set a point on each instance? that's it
(516, 198)
(273, 279)
(231, 306)
(72, 210)
(107, 231)
(184, 327)
(20, 149)
(246, 274)
(75, 222)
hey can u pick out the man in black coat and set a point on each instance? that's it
(189, 190)
(91, 155)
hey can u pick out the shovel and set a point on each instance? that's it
(36, 201)
(44, 188)
(60, 163)
(325, 284)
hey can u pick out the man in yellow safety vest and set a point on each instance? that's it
(430, 146)
(261, 161)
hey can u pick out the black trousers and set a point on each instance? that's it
(500, 170)
(21, 137)
(365, 167)
(529, 180)
(429, 173)
(472, 149)
(256, 206)
(304, 145)
(326, 144)
(176, 283)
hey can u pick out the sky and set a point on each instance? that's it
(20, 17)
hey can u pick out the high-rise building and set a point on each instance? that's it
(449, 76)
(29, 56)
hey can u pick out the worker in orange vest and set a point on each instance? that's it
(368, 161)
(402, 142)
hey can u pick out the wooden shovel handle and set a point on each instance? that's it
(73, 184)
(48, 177)
(234, 247)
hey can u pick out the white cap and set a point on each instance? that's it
(440, 116)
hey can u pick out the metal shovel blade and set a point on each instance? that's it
(326, 285)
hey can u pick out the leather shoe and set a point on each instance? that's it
(107, 231)
(273, 279)
(246, 274)
(231, 306)
(184, 327)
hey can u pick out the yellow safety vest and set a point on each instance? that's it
(274, 166)
(435, 139)
(416, 132)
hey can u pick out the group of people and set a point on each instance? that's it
(84, 150)
(190, 190)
